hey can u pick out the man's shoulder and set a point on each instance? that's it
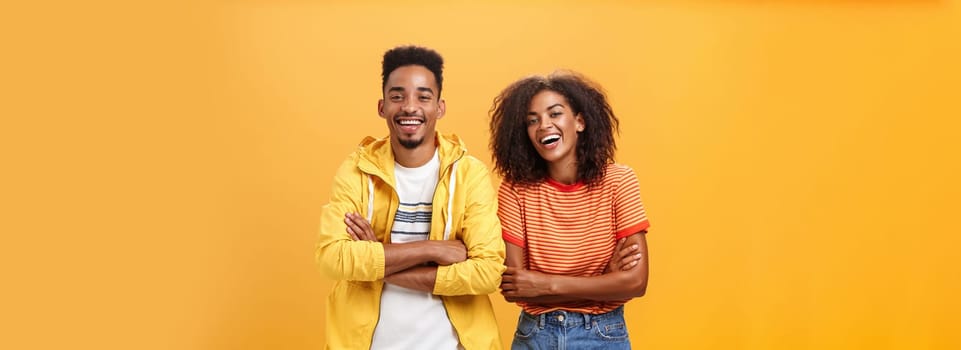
(369, 149)
(371, 142)
(351, 164)
(473, 161)
(471, 164)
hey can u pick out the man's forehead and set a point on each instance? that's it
(418, 74)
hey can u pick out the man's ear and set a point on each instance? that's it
(442, 107)
(380, 108)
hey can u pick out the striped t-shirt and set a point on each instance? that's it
(572, 229)
(412, 319)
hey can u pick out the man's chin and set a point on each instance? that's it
(410, 143)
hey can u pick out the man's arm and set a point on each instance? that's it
(529, 286)
(418, 278)
(401, 259)
(338, 256)
(480, 230)
(341, 257)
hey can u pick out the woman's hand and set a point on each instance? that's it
(625, 257)
(521, 283)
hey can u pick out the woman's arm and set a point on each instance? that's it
(626, 277)
(520, 284)
(517, 260)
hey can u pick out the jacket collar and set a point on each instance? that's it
(377, 158)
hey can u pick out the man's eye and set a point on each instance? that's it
(395, 98)
(425, 98)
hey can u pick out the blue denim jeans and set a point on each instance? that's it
(563, 330)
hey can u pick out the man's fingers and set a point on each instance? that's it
(369, 230)
(365, 232)
(364, 226)
(359, 227)
(370, 234)
(355, 233)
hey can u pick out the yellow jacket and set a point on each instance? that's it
(365, 184)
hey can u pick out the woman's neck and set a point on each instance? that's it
(564, 173)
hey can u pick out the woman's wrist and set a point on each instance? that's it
(552, 286)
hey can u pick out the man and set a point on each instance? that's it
(411, 234)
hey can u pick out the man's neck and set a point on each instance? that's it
(413, 158)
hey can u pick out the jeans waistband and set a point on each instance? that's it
(569, 319)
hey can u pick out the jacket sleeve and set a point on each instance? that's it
(480, 230)
(338, 256)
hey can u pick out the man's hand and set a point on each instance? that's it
(443, 252)
(448, 252)
(358, 228)
(625, 257)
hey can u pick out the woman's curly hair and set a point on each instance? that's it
(515, 158)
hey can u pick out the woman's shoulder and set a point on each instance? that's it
(617, 171)
(618, 175)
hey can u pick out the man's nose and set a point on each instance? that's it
(410, 105)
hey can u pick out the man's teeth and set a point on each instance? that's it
(410, 122)
(550, 139)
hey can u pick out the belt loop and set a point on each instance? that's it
(587, 321)
(540, 320)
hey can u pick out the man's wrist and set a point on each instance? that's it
(425, 250)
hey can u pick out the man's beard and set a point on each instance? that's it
(410, 144)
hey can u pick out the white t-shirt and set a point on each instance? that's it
(411, 319)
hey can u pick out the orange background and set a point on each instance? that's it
(164, 164)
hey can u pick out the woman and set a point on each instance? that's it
(573, 220)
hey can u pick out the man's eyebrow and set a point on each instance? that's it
(425, 89)
(396, 88)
